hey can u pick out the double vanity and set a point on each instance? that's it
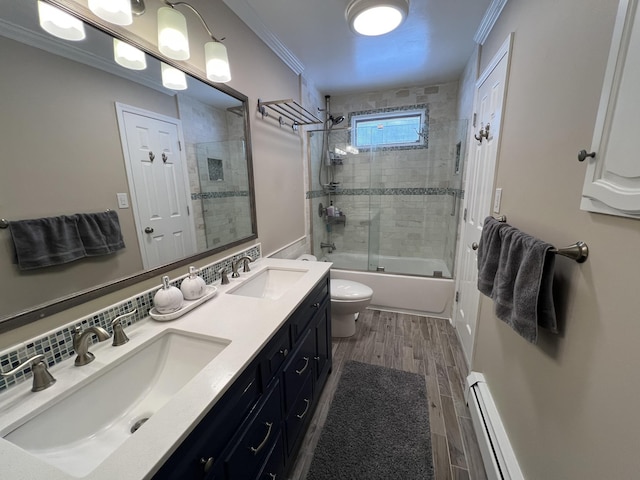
(226, 391)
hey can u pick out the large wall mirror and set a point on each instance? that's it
(82, 134)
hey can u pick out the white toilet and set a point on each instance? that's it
(348, 299)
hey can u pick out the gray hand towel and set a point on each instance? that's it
(100, 232)
(523, 284)
(489, 254)
(44, 242)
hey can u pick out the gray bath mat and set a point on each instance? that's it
(377, 427)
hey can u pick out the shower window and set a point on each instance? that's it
(404, 128)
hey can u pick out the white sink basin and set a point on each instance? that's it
(270, 283)
(82, 429)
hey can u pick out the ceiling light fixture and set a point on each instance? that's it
(117, 12)
(58, 23)
(128, 56)
(173, 41)
(376, 17)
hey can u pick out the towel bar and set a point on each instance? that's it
(579, 251)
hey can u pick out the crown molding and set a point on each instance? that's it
(489, 20)
(248, 15)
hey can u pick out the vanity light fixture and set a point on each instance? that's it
(173, 78)
(376, 17)
(173, 41)
(128, 56)
(117, 12)
(60, 24)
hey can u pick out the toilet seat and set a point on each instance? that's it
(349, 291)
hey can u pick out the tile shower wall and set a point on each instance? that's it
(415, 190)
(222, 210)
(57, 345)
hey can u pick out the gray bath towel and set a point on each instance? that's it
(489, 254)
(523, 284)
(100, 232)
(43, 242)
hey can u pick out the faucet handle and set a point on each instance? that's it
(246, 262)
(223, 273)
(119, 337)
(41, 377)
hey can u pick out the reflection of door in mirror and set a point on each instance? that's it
(156, 168)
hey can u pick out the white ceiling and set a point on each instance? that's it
(312, 36)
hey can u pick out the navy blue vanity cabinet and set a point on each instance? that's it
(255, 429)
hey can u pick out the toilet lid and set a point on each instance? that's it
(348, 290)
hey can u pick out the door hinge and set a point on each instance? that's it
(188, 211)
(457, 296)
(180, 144)
(464, 215)
(475, 119)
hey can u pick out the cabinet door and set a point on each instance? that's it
(298, 368)
(322, 324)
(612, 180)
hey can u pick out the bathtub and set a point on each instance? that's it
(399, 292)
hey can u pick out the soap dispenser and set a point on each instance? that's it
(193, 287)
(168, 299)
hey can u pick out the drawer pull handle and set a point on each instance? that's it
(284, 352)
(301, 416)
(206, 463)
(255, 450)
(317, 359)
(273, 476)
(248, 386)
(306, 359)
(316, 305)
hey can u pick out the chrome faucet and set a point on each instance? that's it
(234, 266)
(41, 377)
(81, 343)
(331, 246)
(119, 337)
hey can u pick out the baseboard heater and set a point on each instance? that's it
(499, 460)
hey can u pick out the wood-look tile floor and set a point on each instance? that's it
(423, 345)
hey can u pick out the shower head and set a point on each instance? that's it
(336, 120)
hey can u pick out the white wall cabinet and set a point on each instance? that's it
(612, 180)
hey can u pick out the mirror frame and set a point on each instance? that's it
(63, 303)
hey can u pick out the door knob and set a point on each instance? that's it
(474, 246)
(148, 230)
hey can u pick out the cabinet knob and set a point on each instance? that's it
(316, 305)
(582, 155)
(284, 352)
(206, 463)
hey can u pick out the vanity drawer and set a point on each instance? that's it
(309, 307)
(300, 413)
(275, 354)
(252, 448)
(298, 368)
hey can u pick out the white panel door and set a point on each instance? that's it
(612, 179)
(490, 93)
(157, 170)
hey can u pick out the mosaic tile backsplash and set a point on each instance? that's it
(58, 346)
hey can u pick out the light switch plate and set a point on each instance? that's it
(496, 200)
(123, 200)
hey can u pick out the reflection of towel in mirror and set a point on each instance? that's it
(523, 284)
(100, 232)
(43, 242)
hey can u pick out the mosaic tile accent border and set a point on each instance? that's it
(388, 191)
(57, 345)
(206, 195)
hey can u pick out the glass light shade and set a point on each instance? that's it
(128, 56)
(113, 11)
(173, 78)
(376, 17)
(173, 38)
(215, 54)
(59, 23)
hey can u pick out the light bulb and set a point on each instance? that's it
(173, 38)
(217, 61)
(113, 11)
(173, 78)
(128, 56)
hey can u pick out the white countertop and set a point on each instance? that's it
(249, 323)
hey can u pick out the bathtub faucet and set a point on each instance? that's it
(331, 246)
